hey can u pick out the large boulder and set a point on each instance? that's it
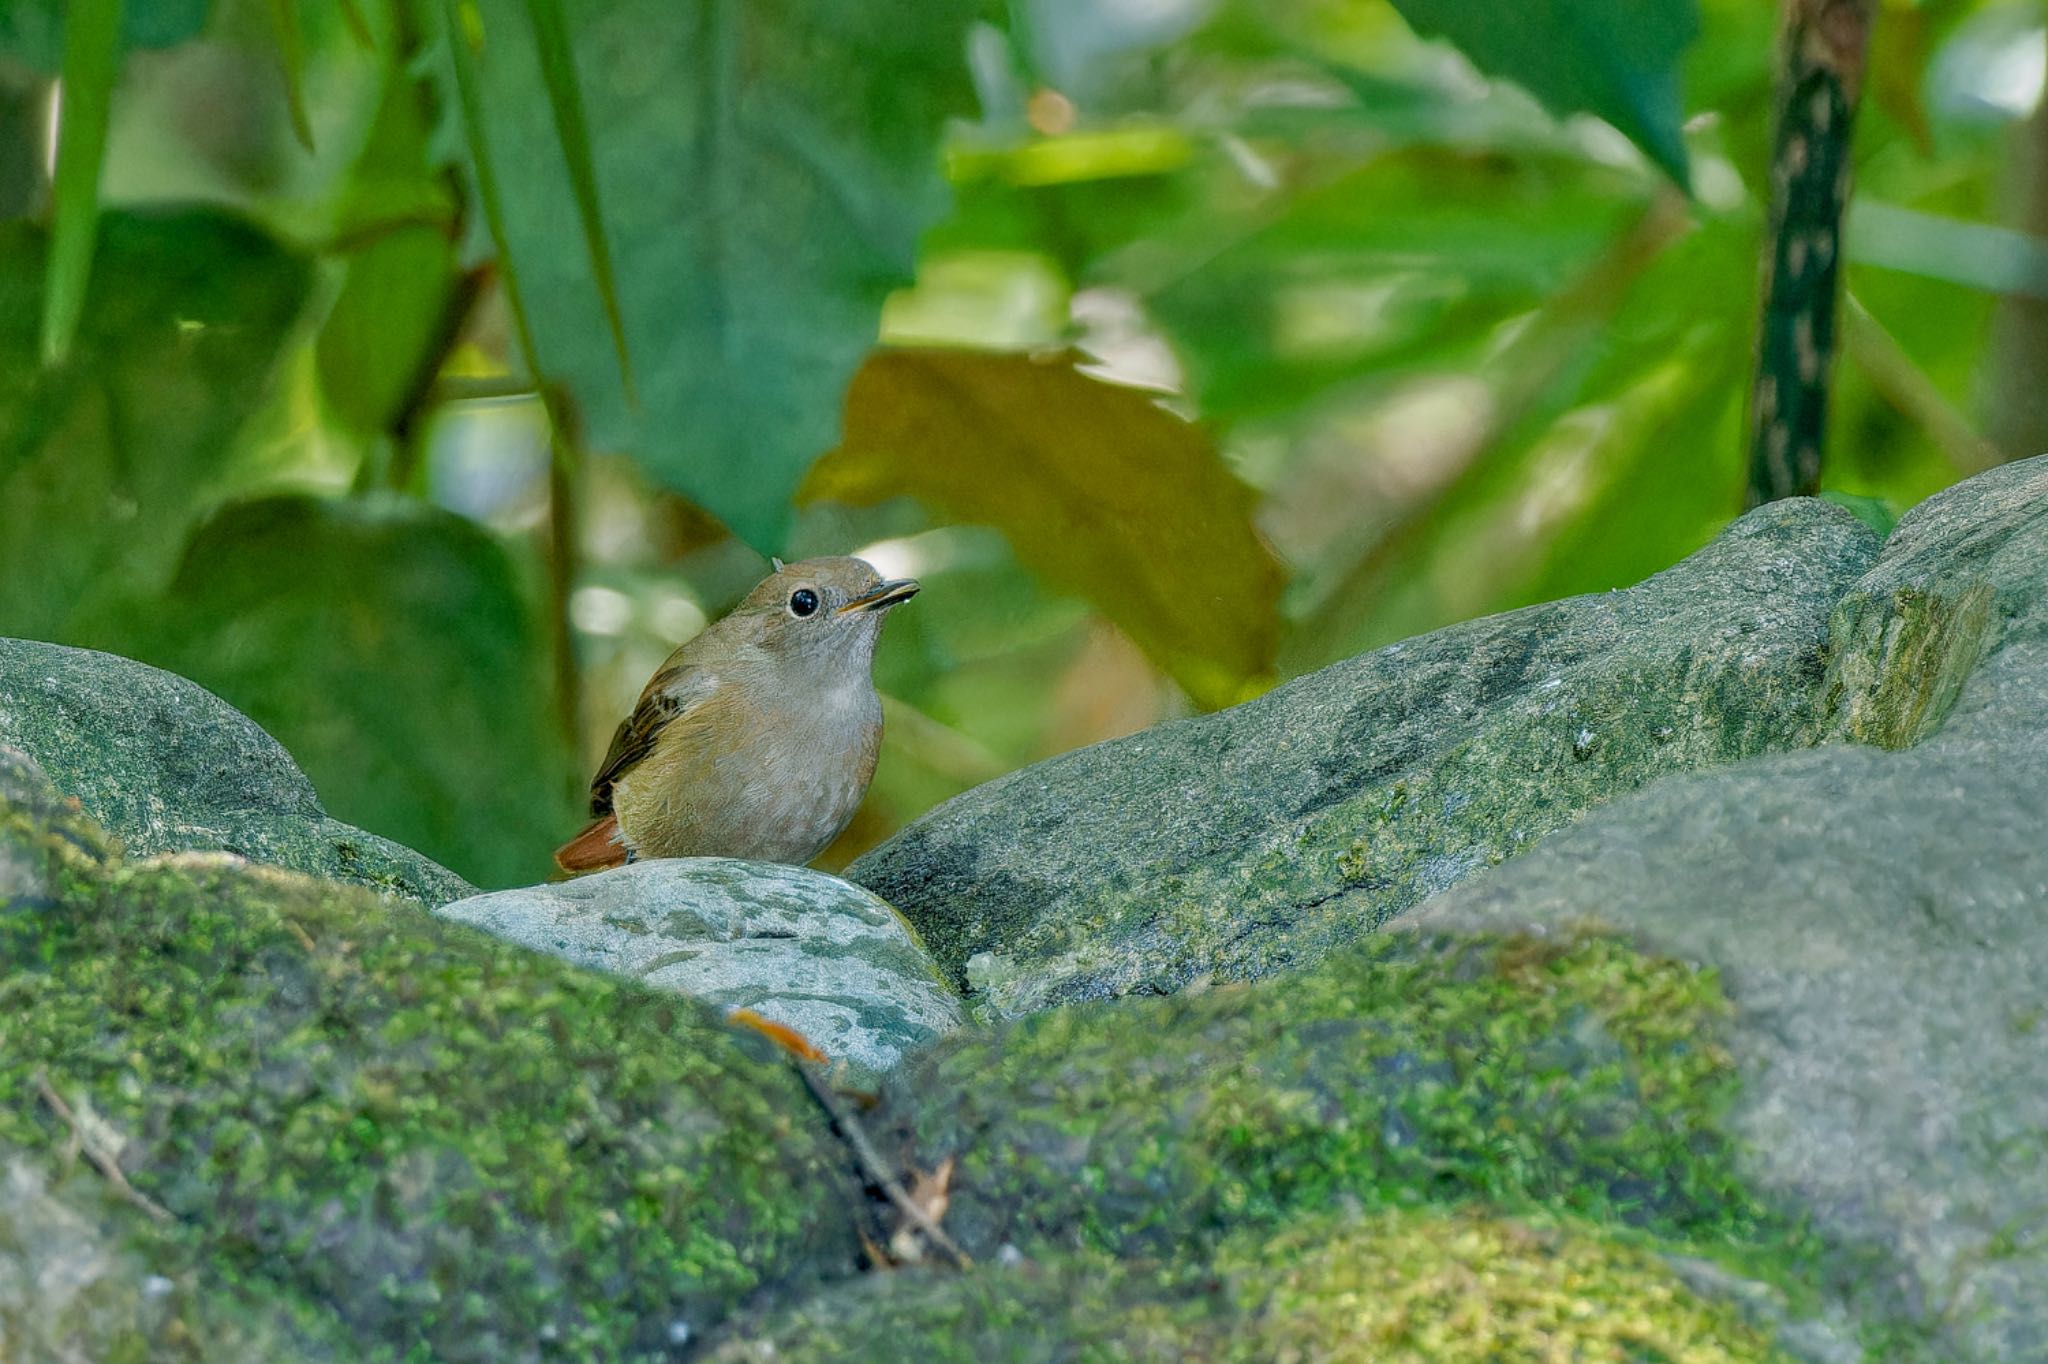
(1239, 844)
(167, 766)
(799, 947)
(338, 1112)
(1878, 919)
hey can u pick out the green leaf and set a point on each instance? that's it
(92, 34)
(565, 97)
(1100, 490)
(401, 299)
(291, 61)
(1875, 512)
(387, 332)
(1408, 257)
(1609, 394)
(1618, 59)
(106, 460)
(390, 646)
(32, 31)
(483, 169)
(766, 172)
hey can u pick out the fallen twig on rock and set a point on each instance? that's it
(103, 1160)
(877, 1172)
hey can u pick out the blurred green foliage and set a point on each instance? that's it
(440, 364)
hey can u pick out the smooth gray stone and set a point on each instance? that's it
(1255, 840)
(167, 766)
(800, 947)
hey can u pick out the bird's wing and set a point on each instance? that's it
(675, 691)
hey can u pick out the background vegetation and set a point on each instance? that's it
(415, 373)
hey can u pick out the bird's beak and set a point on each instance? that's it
(883, 596)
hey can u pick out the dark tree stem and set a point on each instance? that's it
(1820, 80)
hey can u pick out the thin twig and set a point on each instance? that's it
(1911, 393)
(872, 1165)
(102, 1160)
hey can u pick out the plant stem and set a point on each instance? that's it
(1911, 393)
(2016, 363)
(1820, 82)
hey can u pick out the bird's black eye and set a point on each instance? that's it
(803, 602)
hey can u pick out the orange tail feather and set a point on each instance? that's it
(599, 845)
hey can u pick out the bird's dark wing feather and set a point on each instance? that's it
(675, 690)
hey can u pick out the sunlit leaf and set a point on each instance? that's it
(106, 460)
(1618, 59)
(1539, 465)
(1098, 487)
(392, 649)
(766, 171)
(92, 39)
(1411, 256)
(358, 23)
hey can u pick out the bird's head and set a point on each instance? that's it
(823, 609)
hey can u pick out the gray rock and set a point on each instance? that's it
(1243, 843)
(167, 766)
(1877, 919)
(797, 946)
(1962, 571)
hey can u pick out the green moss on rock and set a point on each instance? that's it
(1410, 1286)
(48, 846)
(1573, 1074)
(1898, 661)
(70, 1290)
(451, 1147)
(1419, 1287)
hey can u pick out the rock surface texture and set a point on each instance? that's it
(356, 1131)
(797, 946)
(1878, 919)
(167, 766)
(1720, 1041)
(1243, 843)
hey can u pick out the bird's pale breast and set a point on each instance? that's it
(734, 778)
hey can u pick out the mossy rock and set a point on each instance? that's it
(1507, 1144)
(72, 1289)
(1569, 1074)
(419, 1139)
(1876, 915)
(1252, 841)
(1963, 571)
(1400, 1286)
(167, 766)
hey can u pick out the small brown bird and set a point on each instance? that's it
(757, 738)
